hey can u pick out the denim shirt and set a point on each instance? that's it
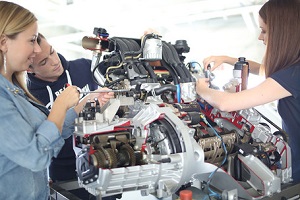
(28, 141)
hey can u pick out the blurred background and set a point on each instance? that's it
(210, 27)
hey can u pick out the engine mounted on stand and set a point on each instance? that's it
(158, 136)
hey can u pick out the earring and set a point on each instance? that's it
(4, 63)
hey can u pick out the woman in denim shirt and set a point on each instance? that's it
(30, 135)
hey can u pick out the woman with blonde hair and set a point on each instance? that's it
(30, 135)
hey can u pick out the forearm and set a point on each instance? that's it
(69, 128)
(229, 60)
(254, 67)
(223, 101)
(215, 98)
(57, 115)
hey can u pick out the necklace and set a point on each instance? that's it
(15, 91)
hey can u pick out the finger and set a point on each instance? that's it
(207, 64)
(207, 61)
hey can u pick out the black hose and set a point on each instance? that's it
(162, 89)
(150, 70)
(169, 59)
(172, 72)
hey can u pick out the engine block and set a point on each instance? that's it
(159, 136)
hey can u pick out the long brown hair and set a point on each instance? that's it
(282, 18)
(13, 20)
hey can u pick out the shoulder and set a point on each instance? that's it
(84, 61)
(80, 64)
(289, 72)
(289, 78)
(76, 64)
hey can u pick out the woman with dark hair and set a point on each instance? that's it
(280, 30)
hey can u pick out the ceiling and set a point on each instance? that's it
(209, 26)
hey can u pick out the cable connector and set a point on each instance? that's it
(202, 116)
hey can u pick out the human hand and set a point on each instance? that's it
(216, 60)
(150, 30)
(68, 98)
(103, 97)
(201, 85)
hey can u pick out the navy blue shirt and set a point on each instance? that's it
(289, 110)
(76, 72)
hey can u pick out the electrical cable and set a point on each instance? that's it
(213, 193)
(178, 92)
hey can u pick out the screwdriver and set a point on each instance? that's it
(99, 91)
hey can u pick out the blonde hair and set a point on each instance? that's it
(15, 19)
